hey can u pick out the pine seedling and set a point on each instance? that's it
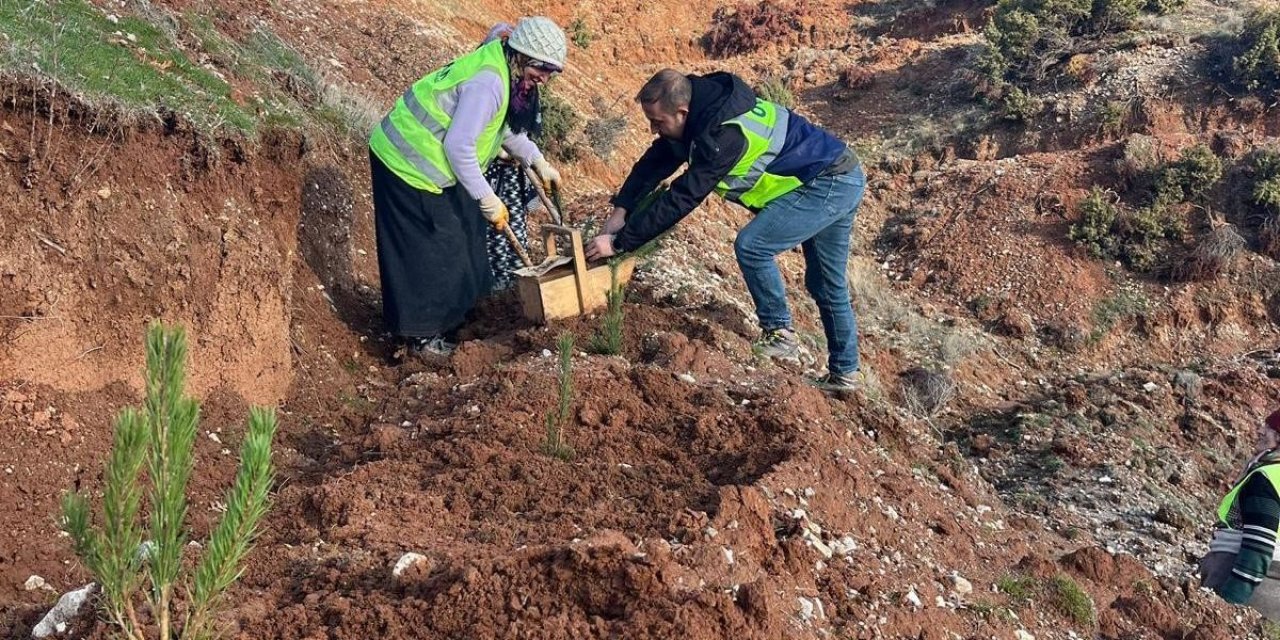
(234, 536)
(162, 435)
(555, 445)
(608, 340)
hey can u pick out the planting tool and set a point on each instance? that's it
(530, 269)
(553, 209)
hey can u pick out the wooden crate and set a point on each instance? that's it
(569, 290)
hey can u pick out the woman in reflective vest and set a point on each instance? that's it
(431, 201)
(1239, 565)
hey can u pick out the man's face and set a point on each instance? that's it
(668, 124)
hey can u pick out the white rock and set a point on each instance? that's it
(960, 585)
(33, 583)
(728, 555)
(844, 546)
(1023, 635)
(684, 377)
(546, 353)
(806, 609)
(913, 599)
(1150, 387)
(68, 607)
(407, 560)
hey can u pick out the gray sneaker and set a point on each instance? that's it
(432, 346)
(778, 343)
(851, 381)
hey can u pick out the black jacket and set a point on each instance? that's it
(710, 148)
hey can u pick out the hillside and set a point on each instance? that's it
(1062, 381)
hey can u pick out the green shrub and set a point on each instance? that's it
(580, 34)
(775, 90)
(1019, 105)
(560, 121)
(1257, 68)
(1197, 171)
(1018, 588)
(162, 435)
(1266, 186)
(1071, 600)
(1026, 39)
(1095, 230)
(1164, 7)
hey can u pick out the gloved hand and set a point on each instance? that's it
(550, 177)
(504, 155)
(493, 210)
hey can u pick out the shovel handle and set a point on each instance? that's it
(515, 244)
(552, 208)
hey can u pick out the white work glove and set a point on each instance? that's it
(550, 177)
(493, 210)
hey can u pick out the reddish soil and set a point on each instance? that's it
(711, 495)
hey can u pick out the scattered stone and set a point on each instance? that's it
(1150, 387)
(960, 585)
(67, 608)
(728, 555)
(913, 599)
(844, 546)
(684, 377)
(807, 609)
(33, 583)
(407, 560)
(1023, 635)
(1173, 517)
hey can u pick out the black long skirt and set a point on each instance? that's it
(431, 255)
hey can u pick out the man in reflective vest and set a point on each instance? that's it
(802, 183)
(1239, 565)
(431, 201)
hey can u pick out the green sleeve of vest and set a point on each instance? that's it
(1236, 590)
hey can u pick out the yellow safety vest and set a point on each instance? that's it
(748, 183)
(410, 140)
(1270, 469)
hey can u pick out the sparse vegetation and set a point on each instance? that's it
(559, 122)
(162, 435)
(775, 90)
(1018, 588)
(1095, 229)
(129, 62)
(603, 134)
(1256, 63)
(1028, 39)
(747, 27)
(555, 444)
(926, 392)
(1211, 254)
(1071, 600)
(580, 34)
(1111, 311)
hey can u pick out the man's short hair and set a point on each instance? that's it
(668, 88)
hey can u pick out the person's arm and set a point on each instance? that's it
(709, 165)
(478, 101)
(1260, 516)
(658, 162)
(521, 147)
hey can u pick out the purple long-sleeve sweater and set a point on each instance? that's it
(473, 104)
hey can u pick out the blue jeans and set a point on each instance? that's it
(819, 217)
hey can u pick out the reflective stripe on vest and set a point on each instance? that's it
(1270, 469)
(765, 128)
(410, 139)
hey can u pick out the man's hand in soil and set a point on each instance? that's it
(600, 247)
